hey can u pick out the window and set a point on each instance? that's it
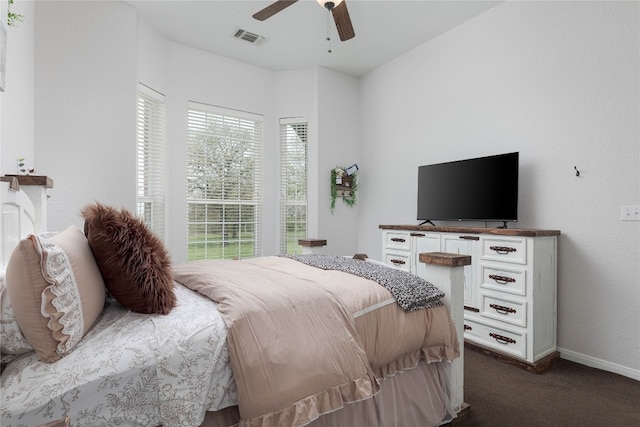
(150, 159)
(293, 184)
(223, 183)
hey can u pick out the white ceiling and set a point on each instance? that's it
(297, 35)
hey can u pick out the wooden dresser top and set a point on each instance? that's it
(528, 232)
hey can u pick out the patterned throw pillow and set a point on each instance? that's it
(12, 342)
(133, 261)
(56, 291)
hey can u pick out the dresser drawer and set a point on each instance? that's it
(504, 249)
(397, 240)
(514, 312)
(508, 342)
(400, 260)
(511, 280)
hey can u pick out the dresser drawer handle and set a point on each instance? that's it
(502, 339)
(397, 261)
(467, 328)
(502, 280)
(502, 250)
(502, 309)
(398, 239)
(475, 310)
(416, 235)
(469, 237)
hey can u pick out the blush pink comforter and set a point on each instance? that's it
(304, 341)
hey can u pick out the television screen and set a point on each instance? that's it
(480, 189)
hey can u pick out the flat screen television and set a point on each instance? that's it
(479, 189)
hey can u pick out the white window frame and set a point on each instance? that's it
(224, 188)
(150, 159)
(294, 149)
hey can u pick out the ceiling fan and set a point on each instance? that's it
(337, 7)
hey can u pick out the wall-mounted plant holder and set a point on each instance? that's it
(343, 185)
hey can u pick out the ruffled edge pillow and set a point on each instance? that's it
(134, 263)
(56, 291)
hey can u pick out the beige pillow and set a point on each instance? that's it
(56, 290)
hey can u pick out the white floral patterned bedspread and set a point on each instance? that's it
(129, 370)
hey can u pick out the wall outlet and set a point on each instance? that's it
(631, 212)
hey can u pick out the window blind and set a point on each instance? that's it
(224, 179)
(150, 158)
(293, 183)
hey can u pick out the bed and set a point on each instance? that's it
(309, 340)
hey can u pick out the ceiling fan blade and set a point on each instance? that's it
(272, 9)
(343, 21)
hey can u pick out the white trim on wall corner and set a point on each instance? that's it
(3, 55)
(599, 363)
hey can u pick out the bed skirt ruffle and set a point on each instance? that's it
(416, 397)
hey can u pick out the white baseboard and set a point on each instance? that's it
(599, 363)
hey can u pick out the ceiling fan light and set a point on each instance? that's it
(323, 3)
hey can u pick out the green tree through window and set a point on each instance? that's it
(223, 183)
(293, 183)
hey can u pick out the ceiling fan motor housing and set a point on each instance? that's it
(329, 5)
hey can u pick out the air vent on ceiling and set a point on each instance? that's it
(250, 37)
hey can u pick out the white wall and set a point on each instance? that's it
(85, 115)
(16, 118)
(85, 109)
(558, 82)
(194, 75)
(198, 76)
(84, 121)
(183, 74)
(338, 137)
(153, 58)
(296, 97)
(330, 101)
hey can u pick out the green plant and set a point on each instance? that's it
(13, 18)
(21, 167)
(350, 197)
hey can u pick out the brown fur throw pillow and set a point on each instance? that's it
(134, 263)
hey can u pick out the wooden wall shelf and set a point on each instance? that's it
(45, 181)
(344, 189)
(312, 243)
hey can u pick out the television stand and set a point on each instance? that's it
(429, 222)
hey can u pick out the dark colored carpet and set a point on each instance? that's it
(567, 394)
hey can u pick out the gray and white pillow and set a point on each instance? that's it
(12, 341)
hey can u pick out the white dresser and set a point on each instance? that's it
(510, 288)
